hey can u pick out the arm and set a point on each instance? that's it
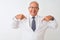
(17, 20)
(52, 24)
(15, 23)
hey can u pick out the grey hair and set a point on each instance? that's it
(35, 2)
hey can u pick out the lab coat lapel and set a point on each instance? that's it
(28, 25)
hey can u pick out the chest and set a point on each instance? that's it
(26, 25)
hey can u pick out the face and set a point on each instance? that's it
(33, 9)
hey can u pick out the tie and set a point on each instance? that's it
(33, 24)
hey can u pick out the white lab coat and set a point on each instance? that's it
(27, 32)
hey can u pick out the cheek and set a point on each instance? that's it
(30, 11)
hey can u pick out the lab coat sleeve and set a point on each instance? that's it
(15, 23)
(52, 24)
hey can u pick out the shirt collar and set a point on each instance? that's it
(35, 16)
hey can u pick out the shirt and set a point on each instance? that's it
(41, 26)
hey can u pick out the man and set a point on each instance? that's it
(34, 26)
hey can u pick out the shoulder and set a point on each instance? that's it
(40, 17)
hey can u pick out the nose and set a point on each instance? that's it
(33, 10)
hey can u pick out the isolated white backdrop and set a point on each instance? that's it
(9, 8)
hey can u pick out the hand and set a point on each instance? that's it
(20, 16)
(48, 18)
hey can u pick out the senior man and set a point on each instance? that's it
(34, 26)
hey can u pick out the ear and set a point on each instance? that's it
(28, 8)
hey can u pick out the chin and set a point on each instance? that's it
(33, 15)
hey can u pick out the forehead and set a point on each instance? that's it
(33, 4)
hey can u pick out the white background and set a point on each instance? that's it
(9, 8)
